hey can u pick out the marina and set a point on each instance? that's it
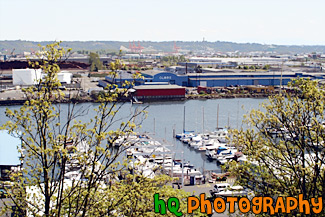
(190, 146)
(166, 119)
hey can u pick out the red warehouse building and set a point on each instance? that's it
(159, 92)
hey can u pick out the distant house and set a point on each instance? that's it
(10, 160)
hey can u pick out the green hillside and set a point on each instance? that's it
(166, 46)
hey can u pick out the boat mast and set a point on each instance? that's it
(202, 119)
(237, 113)
(218, 116)
(154, 126)
(184, 121)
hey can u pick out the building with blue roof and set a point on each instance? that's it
(226, 79)
(215, 78)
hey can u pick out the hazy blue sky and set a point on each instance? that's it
(262, 21)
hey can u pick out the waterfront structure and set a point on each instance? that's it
(215, 78)
(163, 76)
(226, 79)
(158, 92)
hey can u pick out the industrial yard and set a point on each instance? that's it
(196, 78)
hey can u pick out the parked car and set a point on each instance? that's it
(218, 188)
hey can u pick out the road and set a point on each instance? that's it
(199, 189)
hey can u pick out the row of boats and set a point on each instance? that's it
(147, 157)
(151, 155)
(216, 147)
(214, 144)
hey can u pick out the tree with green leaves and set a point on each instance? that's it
(95, 63)
(284, 145)
(172, 60)
(136, 198)
(266, 67)
(70, 167)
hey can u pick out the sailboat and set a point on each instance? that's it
(185, 134)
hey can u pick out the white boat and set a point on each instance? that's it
(143, 165)
(226, 153)
(213, 154)
(186, 134)
(126, 140)
(219, 133)
(75, 167)
(232, 191)
(225, 159)
(186, 139)
(211, 145)
(196, 144)
(221, 152)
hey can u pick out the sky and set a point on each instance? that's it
(281, 22)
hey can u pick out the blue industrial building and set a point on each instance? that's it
(120, 78)
(250, 78)
(171, 78)
(221, 78)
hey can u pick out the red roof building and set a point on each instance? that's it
(158, 92)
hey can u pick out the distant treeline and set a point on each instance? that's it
(166, 46)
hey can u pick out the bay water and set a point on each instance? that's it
(164, 118)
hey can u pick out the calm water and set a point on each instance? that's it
(163, 117)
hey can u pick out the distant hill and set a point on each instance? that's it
(166, 46)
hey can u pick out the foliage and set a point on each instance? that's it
(98, 75)
(220, 46)
(202, 92)
(266, 67)
(68, 164)
(172, 60)
(95, 63)
(284, 144)
(135, 198)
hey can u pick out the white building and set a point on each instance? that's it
(26, 76)
(65, 77)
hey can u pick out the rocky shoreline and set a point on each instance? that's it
(227, 96)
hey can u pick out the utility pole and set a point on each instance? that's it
(237, 113)
(182, 169)
(281, 78)
(154, 126)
